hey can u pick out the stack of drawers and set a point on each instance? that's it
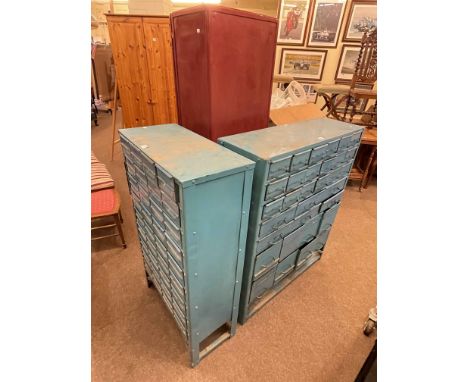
(300, 175)
(170, 189)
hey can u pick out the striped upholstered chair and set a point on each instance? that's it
(105, 201)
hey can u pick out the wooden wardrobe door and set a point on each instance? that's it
(161, 69)
(127, 40)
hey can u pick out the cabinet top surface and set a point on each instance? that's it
(277, 140)
(185, 155)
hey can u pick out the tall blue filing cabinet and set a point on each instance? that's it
(191, 199)
(300, 174)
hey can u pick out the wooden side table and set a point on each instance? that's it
(369, 159)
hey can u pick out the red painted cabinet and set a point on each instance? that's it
(223, 61)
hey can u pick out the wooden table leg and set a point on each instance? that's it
(114, 117)
(368, 164)
(372, 170)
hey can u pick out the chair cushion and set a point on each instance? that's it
(102, 202)
(331, 88)
(100, 177)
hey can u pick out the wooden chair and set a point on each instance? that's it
(364, 78)
(106, 204)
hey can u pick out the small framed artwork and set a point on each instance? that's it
(303, 63)
(310, 92)
(347, 63)
(362, 17)
(292, 21)
(326, 20)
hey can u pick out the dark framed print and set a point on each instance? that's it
(310, 92)
(362, 17)
(303, 63)
(347, 63)
(292, 21)
(325, 25)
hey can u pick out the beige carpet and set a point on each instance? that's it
(312, 331)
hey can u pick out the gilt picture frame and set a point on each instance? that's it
(305, 64)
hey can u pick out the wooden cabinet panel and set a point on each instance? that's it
(160, 69)
(127, 40)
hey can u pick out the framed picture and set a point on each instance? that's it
(302, 63)
(361, 104)
(327, 17)
(347, 63)
(292, 21)
(310, 92)
(362, 16)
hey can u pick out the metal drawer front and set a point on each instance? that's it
(297, 180)
(346, 142)
(332, 148)
(279, 168)
(292, 242)
(267, 242)
(165, 177)
(300, 160)
(311, 228)
(173, 231)
(276, 222)
(333, 163)
(307, 204)
(329, 217)
(313, 171)
(333, 176)
(276, 188)
(161, 245)
(157, 213)
(356, 138)
(285, 267)
(351, 153)
(180, 317)
(178, 291)
(174, 251)
(271, 225)
(146, 215)
(314, 245)
(159, 230)
(337, 186)
(292, 198)
(308, 189)
(154, 197)
(176, 270)
(318, 154)
(272, 208)
(266, 260)
(331, 201)
(262, 285)
(303, 218)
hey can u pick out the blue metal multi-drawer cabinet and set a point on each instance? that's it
(191, 199)
(300, 174)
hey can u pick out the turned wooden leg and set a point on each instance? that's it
(368, 164)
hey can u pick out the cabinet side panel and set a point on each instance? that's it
(127, 41)
(212, 222)
(241, 60)
(191, 72)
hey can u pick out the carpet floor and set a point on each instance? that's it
(312, 331)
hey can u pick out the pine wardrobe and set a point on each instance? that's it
(141, 46)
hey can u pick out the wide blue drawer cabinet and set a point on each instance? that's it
(300, 174)
(191, 200)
